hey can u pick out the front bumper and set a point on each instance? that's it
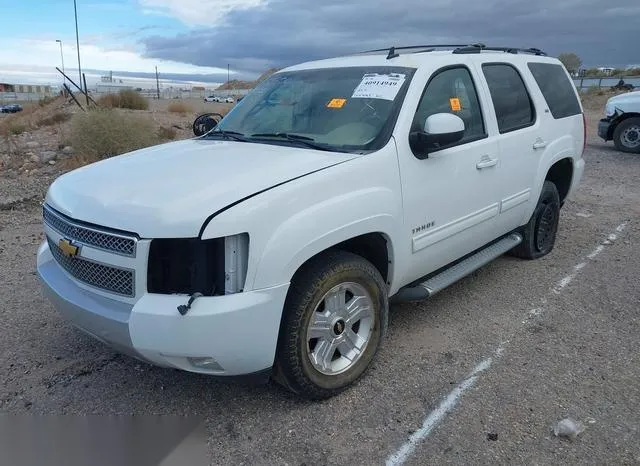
(604, 126)
(237, 332)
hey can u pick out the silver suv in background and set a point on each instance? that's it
(621, 122)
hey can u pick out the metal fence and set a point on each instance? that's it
(606, 82)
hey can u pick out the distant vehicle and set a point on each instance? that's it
(621, 122)
(212, 98)
(11, 108)
(229, 100)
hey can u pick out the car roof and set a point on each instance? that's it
(425, 57)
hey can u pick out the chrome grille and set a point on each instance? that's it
(111, 242)
(113, 279)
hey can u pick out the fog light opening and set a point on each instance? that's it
(205, 363)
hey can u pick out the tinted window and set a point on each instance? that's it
(514, 109)
(556, 88)
(452, 91)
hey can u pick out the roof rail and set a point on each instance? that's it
(392, 52)
(478, 48)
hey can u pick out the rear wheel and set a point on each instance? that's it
(626, 136)
(539, 234)
(334, 320)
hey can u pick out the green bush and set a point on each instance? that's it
(103, 133)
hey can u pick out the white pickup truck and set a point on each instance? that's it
(273, 243)
(621, 122)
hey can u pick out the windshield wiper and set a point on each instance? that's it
(228, 135)
(307, 141)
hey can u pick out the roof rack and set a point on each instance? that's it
(478, 48)
(392, 52)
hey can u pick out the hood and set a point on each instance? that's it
(632, 96)
(170, 189)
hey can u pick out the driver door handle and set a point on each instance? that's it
(486, 162)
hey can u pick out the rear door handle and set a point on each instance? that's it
(539, 144)
(486, 162)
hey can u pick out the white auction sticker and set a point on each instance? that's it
(379, 86)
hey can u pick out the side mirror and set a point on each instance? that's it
(440, 129)
(205, 123)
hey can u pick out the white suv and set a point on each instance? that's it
(273, 243)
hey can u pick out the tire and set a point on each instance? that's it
(539, 234)
(314, 367)
(626, 136)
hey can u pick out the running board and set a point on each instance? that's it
(454, 273)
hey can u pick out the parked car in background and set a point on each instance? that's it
(11, 108)
(212, 98)
(621, 122)
(229, 100)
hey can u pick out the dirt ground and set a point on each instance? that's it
(479, 374)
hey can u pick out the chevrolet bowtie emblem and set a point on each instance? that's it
(67, 248)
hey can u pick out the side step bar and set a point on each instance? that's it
(454, 273)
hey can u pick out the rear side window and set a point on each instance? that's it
(511, 101)
(556, 89)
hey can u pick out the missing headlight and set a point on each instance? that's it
(189, 265)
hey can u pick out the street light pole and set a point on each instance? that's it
(75, 10)
(64, 80)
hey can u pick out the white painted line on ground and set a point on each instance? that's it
(435, 417)
(561, 285)
(596, 251)
(438, 414)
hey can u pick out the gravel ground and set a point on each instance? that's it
(569, 352)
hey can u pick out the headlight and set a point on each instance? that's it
(212, 267)
(609, 110)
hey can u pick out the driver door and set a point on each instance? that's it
(451, 199)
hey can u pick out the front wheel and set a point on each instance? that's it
(626, 136)
(334, 320)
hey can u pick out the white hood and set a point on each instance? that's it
(170, 189)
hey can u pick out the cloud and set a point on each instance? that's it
(284, 32)
(38, 52)
(197, 12)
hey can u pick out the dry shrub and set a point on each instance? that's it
(46, 100)
(178, 107)
(126, 98)
(167, 132)
(103, 133)
(15, 128)
(56, 118)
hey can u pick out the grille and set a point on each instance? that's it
(111, 279)
(107, 241)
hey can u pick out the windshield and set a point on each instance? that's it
(343, 109)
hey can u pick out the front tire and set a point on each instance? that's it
(626, 136)
(334, 320)
(539, 234)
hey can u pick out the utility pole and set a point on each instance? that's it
(227, 75)
(157, 83)
(64, 80)
(75, 10)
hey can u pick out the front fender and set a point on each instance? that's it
(323, 225)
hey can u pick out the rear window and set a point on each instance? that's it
(511, 101)
(556, 89)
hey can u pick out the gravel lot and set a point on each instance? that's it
(562, 341)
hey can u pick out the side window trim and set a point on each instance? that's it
(483, 115)
(534, 110)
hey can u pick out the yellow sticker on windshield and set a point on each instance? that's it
(454, 102)
(336, 103)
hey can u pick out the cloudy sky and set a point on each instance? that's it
(196, 40)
